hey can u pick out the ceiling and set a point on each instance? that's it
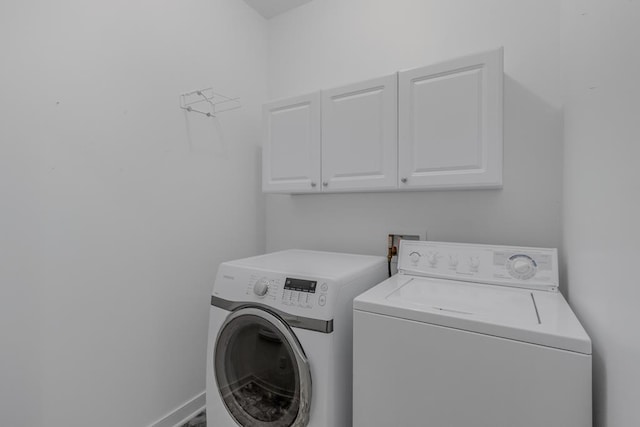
(271, 8)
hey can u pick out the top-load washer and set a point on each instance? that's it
(280, 338)
(470, 335)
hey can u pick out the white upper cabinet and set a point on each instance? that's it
(291, 145)
(359, 136)
(450, 124)
(435, 127)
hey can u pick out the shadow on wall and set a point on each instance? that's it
(534, 166)
(599, 386)
(205, 134)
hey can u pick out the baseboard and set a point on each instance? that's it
(183, 413)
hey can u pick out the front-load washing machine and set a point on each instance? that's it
(280, 338)
(470, 335)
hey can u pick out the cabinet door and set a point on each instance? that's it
(291, 145)
(360, 136)
(450, 124)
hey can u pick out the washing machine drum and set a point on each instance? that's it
(261, 371)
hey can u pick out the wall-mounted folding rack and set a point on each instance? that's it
(208, 102)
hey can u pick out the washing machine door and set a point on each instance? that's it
(261, 371)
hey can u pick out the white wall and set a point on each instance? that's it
(602, 195)
(117, 207)
(332, 42)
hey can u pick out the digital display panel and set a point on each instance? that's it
(300, 285)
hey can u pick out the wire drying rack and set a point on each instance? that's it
(208, 102)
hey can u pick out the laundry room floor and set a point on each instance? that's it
(199, 420)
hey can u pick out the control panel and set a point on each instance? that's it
(533, 268)
(300, 292)
(288, 293)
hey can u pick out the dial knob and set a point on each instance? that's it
(474, 263)
(432, 257)
(261, 287)
(414, 257)
(521, 266)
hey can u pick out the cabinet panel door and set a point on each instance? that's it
(291, 145)
(359, 136)
(450, 124)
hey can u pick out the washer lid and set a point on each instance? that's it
(536, 317)
(488, 303)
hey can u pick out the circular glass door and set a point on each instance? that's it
(261, 371)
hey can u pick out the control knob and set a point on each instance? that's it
(414, 257)
(521, 266)
(261, 287)
(432, 257)
(474, 263)
(453, 261)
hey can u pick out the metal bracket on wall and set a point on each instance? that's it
(208, 102)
